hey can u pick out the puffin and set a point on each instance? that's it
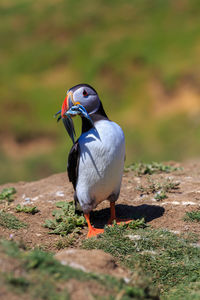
(96, 159)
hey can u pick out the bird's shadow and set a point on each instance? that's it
(127, 212)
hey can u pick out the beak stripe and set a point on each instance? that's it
(64, 106)
(66, 103)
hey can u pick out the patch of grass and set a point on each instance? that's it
(161, 195)
(188, 292)
(150, 168)
(20, 283)
(139, 223)
(66, 241)
(66, 220)
(11, 248)
(43, 277)
(48, 289)
(27, 209)
(7, 194)
(170, 186)
(168, 259)
(160, 189)
(193, 216)
(9, 221)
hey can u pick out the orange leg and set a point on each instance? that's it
(112, 213)
(113, 216)
(91, 230)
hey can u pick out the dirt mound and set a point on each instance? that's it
(87, 261)
(167, 213)
(161, 198)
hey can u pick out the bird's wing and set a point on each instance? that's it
(73, 164)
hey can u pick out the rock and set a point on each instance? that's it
(90, 261)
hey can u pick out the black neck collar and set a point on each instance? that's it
(97, 116)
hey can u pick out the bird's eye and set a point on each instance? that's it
(85, 93)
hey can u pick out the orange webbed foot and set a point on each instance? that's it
(94, 231)
(118, 221)
(114, 218)
(123, 221)
(91, 230)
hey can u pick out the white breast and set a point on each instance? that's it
(101, 164)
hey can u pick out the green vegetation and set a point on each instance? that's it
(159, 188)
(193, 216)
(66, 220)
(9, 221)
(66, 241)
(160, 195)
(141, 56)
(150, 168)
(27, 209)
(134, 224)
(19, 283)
(7, 194)
(44, 278)
(11, 248)
(170, 261)
(159, 261)
(166, 186)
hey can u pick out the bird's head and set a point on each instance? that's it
(80, 96)
(80, 100)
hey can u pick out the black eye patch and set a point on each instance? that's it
(85, 93)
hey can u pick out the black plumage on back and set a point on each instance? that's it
(73, 164)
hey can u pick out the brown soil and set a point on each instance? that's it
(78, 258)
(84, 290)
(167, 213)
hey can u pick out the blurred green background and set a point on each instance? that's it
(142, 56)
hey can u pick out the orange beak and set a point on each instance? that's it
(65, 107)
(67, 104)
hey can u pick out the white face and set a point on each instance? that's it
(88, 98)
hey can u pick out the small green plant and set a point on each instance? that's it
(27, 209)
(159, 189)
(7, 194)
(160, 195)
(20, 283)
(66, 220)
(11, 248)
(134, 224)
(66, 241)
(150, 168)
(152, 188)
(9, 221)
(193, 216)
(170, 186)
